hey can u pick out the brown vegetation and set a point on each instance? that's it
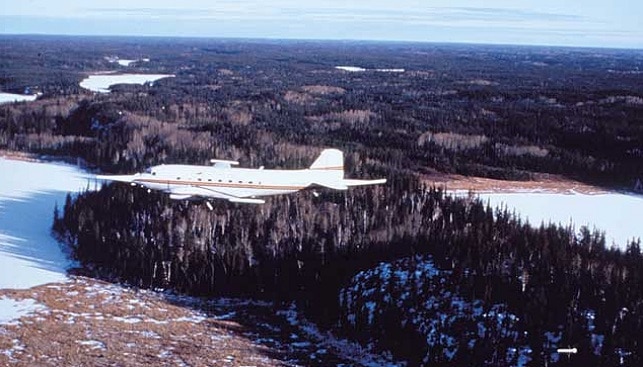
(452, 141)
(86, 322)
(540, 183)
(323, 89)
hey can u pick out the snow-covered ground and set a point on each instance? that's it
(10, 97)
(618, 215)
(125, 62)
(101, 82)
(355, 69)
(29, 256)
(350, 68)
(11, 309)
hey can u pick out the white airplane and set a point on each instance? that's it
(242, 185)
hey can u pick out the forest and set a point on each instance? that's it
(306, 249)
(503, 112)
(379, 265)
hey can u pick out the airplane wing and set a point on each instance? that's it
(183, 193)
(351, 182)
(119, 178)
(344, 184)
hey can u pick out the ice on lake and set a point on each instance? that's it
(101, 82)
(11, 97)
(618, 215)
(123, 62)
(29, 191)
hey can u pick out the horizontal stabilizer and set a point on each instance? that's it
(335, 185)
(179, 197)
(344, 183)
(349, 182)
(246, 200)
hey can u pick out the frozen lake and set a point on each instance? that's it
(355, 69)
(29, 255)
(101, 82)
(10, 97)
(122, 62)
(618, 215)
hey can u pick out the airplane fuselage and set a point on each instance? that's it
(220, 183)
(242, 185)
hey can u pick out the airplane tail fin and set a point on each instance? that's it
(329, 160)
(328, 171)
(329, 165)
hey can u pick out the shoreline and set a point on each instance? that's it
(544, 183)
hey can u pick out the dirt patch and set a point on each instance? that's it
(87, 322)
(19, 156)
(541, 183)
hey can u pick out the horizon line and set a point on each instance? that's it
(294, 39)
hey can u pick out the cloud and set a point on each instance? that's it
(145, 12)
(513, 15)
(334, 19)
(356, 13)
(222, 10)
(436, 15)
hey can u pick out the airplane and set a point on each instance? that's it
(242, 185)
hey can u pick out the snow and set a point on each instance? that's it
(326, 341)
(350, 68)
(616, 214)
(94, 344)
(10, 97)
(123, 62)
(354, 69)
(11, 309)
(29, 255)
(434, 312)
(101, 82)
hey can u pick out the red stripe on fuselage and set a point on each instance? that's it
(220, 184)
(339, 168)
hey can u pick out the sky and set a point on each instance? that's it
(588, 23)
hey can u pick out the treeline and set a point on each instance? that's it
(306, 249)
(572, 112)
